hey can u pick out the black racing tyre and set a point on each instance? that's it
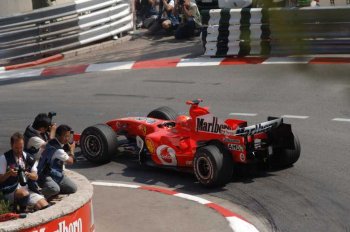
(211, 167)
(99, 143)
(164, 113)
(287, 157)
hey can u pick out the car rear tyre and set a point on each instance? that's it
(164, 113)
(99, 143)
(211, 167)
(287, 157)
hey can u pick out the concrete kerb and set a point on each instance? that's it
(66, 206)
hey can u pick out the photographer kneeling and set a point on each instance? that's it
(39, 133)
(57, 153)
(190, 23)
(18, 175)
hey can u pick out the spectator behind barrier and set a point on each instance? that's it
(146, 13)
(37, 4)
(166, 19)
(18, 175)
(37, 134)
(190, 24)
(57, 153)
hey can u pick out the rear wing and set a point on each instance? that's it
(259, 128)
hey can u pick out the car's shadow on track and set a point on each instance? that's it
(180, 180)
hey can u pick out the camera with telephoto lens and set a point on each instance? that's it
(50, 115)
(21, 176)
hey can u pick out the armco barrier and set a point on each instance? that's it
(54, 29)
(72, 213)
(277, 31)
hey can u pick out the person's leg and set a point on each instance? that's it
(67, 186)
(186, 30)
(147, 23)
(154, 28)
(49, 187)
(22, 198)
(37, 200)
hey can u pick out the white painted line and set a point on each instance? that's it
(110, 66)
(287, 60)
(295, 116)
(111, 184)
(244, 114)
(199, 62)
(21, 73)
(341, 119)
(239, 225)
(192, 198)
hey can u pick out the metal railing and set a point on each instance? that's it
(277, 31)
(58, 28)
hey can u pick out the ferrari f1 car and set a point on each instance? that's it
(211, 147)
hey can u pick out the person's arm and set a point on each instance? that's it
(53, 131)
(168, 6)
(33, 174)
(186, 9)
(4, 175)
(67, 157)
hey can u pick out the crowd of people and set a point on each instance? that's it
(180, 18)
(32, 171)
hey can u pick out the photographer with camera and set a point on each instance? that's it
(18, 175)
(39, 133)
(190, 23)
(166, 19)
(58, 152)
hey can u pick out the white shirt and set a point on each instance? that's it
(60, 154)
(3, 164)
(36, 142)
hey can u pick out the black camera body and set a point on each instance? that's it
(21, 176)
(51, 114)
(181, 2)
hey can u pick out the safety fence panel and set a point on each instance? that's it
(276, 31)
(58, 28)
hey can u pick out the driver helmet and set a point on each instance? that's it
(183, 121)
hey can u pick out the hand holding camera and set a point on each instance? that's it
(22, 178)
(13, 172)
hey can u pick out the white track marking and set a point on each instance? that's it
(244, 114)
(193, 198)
(199, 62)
(110, 66)
(111, 184)
(287, 60)
(294, 116)
(21, 73)
(341, 119)
(239, 225)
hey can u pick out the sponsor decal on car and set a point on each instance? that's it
(235, 147)
(258, 128)
(143, 129)
(229, 140)
(150, 145)
(211, 124)
(166, 155)
(144, 119)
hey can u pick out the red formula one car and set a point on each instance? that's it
(202, 142)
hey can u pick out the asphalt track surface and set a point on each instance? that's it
(313, 195)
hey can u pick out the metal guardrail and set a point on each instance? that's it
(54, 29)
(277, 31)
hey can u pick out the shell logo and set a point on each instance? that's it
(166, 155)
(150, 145)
